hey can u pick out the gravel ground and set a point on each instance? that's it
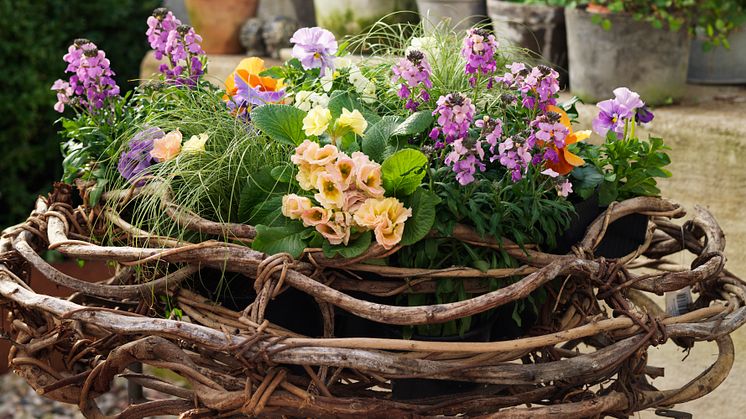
(19, 401)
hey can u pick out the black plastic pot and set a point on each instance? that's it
(622, 237)
(292, 309)
(420, 388)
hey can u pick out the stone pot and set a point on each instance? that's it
(460, 14)
(720, 65)
(652, 62)
(219, 22)
(535, 27)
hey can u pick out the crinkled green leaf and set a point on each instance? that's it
(403, 172)
(354, 248)
(285, 239)
(281, 123)
(376, 140)
(423, 204)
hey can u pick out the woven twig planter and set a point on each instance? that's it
(585, 357)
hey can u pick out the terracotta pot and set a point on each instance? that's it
(219, 22)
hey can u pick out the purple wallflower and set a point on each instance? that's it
(454, 113)
(413, 72)
(615, 113)
(479, 51)
(315, 48)
(92, 82)
(180, 44)
(137, 159)
(538, 85)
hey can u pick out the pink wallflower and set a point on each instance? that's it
(454, 113)
(479, 50)
(413, 72)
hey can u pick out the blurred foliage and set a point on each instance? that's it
(34, 35)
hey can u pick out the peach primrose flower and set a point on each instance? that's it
(307, 146)
(317, 121)
(388, 234)
(353, 200)
(337, 230)
(354, 120)
(293, 206)
(248, 70)
(567, 160)
(343, 169)
(368, 179)
(315, 216)
(322, 156)
(386, 217)
(331, 195)
(359, 158)
(167, 147)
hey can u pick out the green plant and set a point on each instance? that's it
(36, 35)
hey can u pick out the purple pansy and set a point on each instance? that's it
(247, 96)
(615, 113)
(315, 48)
(137, 159)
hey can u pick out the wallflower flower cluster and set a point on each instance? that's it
(151, 145)
(91, 82)
(348, 194)
(179, 44)
(454, 113)
(615, 114)
(538, 85)
(479, 51)
(412, 74)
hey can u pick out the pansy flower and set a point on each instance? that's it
(567, 160)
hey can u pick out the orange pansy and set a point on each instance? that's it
(248, 70)
(567, 160)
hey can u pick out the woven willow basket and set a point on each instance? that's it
(585, 356)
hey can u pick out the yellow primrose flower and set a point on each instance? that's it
(308, 176)
(330, 194)
(293, 206)
(354, 120)
(167, 147)
(317, 121)
(195, 143)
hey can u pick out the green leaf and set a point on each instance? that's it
(97, 191)
(286, 239)
(586, 176)
(375, 142)
(261, 198)
(354, 248)
(403, 172)
(607, 193)
(281, 123)
(414, 124)
(422, 203)
(282, 173)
